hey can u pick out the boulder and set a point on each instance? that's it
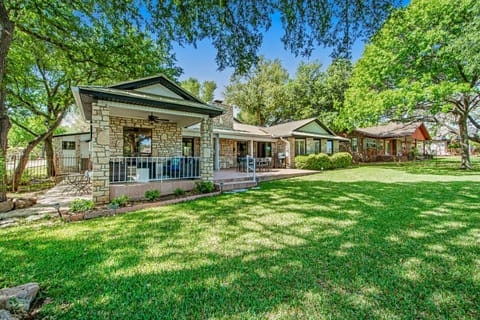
(5, 315)
(18, 298)
(6, 205)
(22, 203)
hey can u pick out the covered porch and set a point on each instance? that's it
(137, 135)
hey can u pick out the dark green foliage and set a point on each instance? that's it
(121, 201)
(322, 161)
(80, 205)
(341, 160)
(179, 192)
(152, 195)
(319, 161)
(204, 186)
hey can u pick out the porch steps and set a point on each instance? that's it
(239, 184)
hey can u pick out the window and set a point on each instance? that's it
(316, 146)
(354, 145)
(241, 149)
(68, 145)
(371, 143)
(299, 146)
(264, 149)
(137, 142)
(329, 146)
(187, 147)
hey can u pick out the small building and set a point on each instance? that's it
(72, 151)
(393, 141)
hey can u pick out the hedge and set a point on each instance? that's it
(322, 161)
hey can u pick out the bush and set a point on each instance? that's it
(313, 162)
(80, 205)
(121, 201)
(179, 192)
(204, 186)
(322, 161)
(152, 195)
(341, 160)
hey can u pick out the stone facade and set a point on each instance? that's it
(206, 150)
(100, 153)
(225, 120)
(228, 158)
(166, 137)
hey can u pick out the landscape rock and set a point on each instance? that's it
(5, 315)
(6, 205)
(18, 298)
(22, 203)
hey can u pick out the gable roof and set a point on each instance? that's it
(289, 128)
(127, 92)
(395, 130)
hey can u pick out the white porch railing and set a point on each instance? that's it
(143, 169)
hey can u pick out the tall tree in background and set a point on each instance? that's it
(207, 92)
(425, 61)
(234, 27)
(261, 92)
(204, 91)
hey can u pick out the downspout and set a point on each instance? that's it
(287, 152)
(217, 153)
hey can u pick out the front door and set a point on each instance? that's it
(242, 149)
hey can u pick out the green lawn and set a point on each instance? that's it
(384, 242)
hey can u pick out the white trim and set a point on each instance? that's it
(121, 105)
(78, 102)
(319, 136)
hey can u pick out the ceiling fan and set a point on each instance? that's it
(154, 119)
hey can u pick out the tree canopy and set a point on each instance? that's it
(204, 91)
(424, 62)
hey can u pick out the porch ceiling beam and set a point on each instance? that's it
(120, 105)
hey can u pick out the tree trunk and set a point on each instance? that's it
(6, 36)
(21, 165)
(464, 142)
(48, 143)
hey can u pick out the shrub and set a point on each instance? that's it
(179, 192)
(152, 195)
(80, 205)
(121, 201)
(313, 162)
(341, 160)
(204, 186)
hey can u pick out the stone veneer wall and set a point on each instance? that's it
(166, 137)
(196, 147)
(226, 119)
(100, 153)
(227, 156)
(206, 149)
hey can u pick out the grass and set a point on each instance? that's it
(371, 242)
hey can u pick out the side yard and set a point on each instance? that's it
(386, 242)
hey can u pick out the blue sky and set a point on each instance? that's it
(200, 62)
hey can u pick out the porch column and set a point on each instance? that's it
(217, 152)
(251, 148)
(206, 150)
(100, 153)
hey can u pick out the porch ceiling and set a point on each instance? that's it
(181, 119)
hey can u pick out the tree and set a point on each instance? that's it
(234, 27)
(192, 85)
(424, 62)
(261, 92)
(208, 90)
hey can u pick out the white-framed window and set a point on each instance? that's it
(300, 147)
(68, 145)
(354, 145)
(329, 146)
(316, 146)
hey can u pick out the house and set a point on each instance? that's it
(389, 142)
(151, 130)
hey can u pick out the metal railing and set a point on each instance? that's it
(143, 169)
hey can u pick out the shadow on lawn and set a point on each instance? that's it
(306, 249)
(437, 166)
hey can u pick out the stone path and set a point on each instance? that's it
(62, 193)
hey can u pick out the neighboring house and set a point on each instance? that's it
(389, 142)
(152, 130)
